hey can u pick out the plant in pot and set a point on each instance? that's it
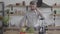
(6, 18)
(23, 30)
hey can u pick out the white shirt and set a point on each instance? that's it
(31, 17)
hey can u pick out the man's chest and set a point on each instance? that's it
(32, 15)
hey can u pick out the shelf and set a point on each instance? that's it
(17, 13)
(12, 28)
(15, 6)
(56, 14)
(1, 17)
(58, 6)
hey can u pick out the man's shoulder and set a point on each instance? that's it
(27, 12)
(39, 10)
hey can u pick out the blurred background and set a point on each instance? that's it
(12, 11)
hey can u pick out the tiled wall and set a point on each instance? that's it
(15, 1)
(49, 2)
(45, 11)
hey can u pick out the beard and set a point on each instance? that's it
(33, 9)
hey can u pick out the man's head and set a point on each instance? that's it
(33, 5)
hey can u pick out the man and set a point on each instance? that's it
(32, 16)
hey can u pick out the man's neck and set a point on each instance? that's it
(32, 9)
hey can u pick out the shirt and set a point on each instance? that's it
(31, 17)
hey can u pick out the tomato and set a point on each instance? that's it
(22, 33)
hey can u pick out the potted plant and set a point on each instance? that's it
(23, 30)
(6, 18)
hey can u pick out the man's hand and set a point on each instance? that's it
(40, 14)
(42, 18)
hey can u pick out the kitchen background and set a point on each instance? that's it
(45, 10)
(13, 11)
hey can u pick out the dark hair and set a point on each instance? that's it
(32, 3)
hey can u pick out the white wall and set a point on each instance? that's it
(45, 11)
(1, 0)
(49, 2)
(16, 1)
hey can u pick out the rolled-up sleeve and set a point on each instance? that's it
(23, 20)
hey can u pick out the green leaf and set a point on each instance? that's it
(31, 30)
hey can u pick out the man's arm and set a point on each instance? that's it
(23, 21)
(40, 14)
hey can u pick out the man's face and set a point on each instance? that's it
(33, 7)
